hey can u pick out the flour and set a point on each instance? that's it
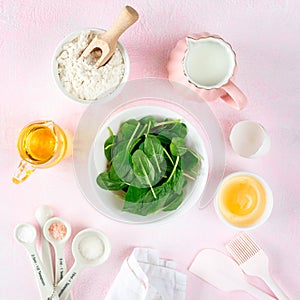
(80, 77)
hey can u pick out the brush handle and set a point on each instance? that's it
(258, 294)
(258, 266)
(278, 292)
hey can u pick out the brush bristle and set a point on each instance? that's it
(242, 248)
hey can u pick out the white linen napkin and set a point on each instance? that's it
(144, 276)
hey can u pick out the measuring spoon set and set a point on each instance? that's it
(90, 248)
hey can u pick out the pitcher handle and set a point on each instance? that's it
(234, 96)
(23, 172)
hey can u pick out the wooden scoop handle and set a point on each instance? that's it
(126, 18)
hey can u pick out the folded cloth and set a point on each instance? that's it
(144, 276)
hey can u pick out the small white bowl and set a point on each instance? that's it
(268, 209)
(250, 139)
(108, 94)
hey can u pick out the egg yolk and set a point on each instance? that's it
(242, 200)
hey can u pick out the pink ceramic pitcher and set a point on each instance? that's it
(206, 64)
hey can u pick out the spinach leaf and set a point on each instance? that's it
(145, 203)
(178, 181)
(163, 140)
(118, 147)
(154, 150)
(148, 163)
(179, 129)
(136, 143)
(174, 169)
(133, 199)
(122, 146)
(135, 194)
(189, 161)
(108, 147)
(169, 131)
(151, 205)
(169, 158)
(141, 131)
(126, 131)
(107, 183)
(173, 202)
(177, 146)
(143, 169)
(141, 146)
(166, 200)
(113, 174)
(122, 163)
(147, 120)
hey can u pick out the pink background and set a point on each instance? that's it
(265, 35)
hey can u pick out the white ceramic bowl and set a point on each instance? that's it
(108, 202)
(108, 95)
(138, 98)
(268, 209)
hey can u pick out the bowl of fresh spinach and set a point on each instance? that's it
(148, 163)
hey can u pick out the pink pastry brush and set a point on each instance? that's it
(253, 261)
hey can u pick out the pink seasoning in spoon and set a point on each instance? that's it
(58, 231)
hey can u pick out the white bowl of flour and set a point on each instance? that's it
(79, 79)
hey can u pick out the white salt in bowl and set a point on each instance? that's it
(107, 95)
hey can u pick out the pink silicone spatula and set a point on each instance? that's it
(224, 273)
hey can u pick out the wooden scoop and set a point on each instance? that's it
(107, 42)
